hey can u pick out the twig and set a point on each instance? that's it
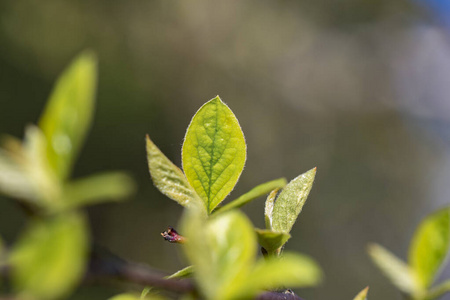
(114, 267)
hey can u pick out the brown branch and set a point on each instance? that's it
(109, 266)
(105, 265)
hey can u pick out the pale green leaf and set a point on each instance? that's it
(214, 152)
(438, 291)
(271, 240)
(50, 258)
(131, 296)
(268, 211)
(44, 181)
(183, 273)
(14, 181)
(290, 270)
(68, 113)
(290, 202)
(256, 192)
(222, 250)
(97, 189)
(168, 178)
(393, 268)
(362, 295)
(430, 246)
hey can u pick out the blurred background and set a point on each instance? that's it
(359, 89)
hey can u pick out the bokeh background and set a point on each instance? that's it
(359, 89)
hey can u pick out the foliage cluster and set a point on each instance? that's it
(220, 243)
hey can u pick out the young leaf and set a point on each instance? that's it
(430, 246)
(68, 114)
(14, 181)
(254, 193)
(214, 152)
(271, 240)
(183, 273)
(221, 249)
(393, 268)
(46, 185)
(290, 202)
(130, 296)
(290, 270)
(362, 295)
(268, 211)
(96, 189)
(49, 259)
(168, 178)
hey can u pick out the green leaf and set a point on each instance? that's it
(97, 188)
(183, 273)
(256, 192)
(68, 114)
(168, 178)
(131, 296)
(289, 270)
(268, 211)
(393, 268)
(290, 202)
(214, 152)
(438, 291)
(222, 250)
(49, 259)
(362, 295)
(271, 240)
(430, 246)
(14, 181)
(46, 185)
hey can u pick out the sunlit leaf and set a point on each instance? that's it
(131, 296)
(222, 251)
(398, 272)
(256, 192)
(268, 210)
(362, 295)
(97, 188)
(290, 202)
(68, 113)
(14, 181)
(430, 246)
(168, 178)
(49, 259)
(183, 273)
(290, 270)
(271, 240)
(214, 152)
(46, 185)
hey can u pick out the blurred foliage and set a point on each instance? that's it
(50, 258)
(427, 253)
(312, 82)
